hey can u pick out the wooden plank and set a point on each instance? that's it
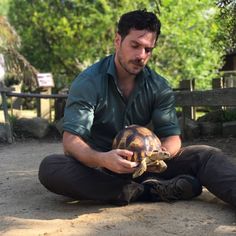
(216, 97)
(36, 95)
(45, 105)
(6, 117)
(188, 85)
(217, 83)
(4, 89)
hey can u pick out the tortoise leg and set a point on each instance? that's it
(141, 169)
(157, 167)
(151, 161)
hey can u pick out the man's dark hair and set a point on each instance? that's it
(138, 20)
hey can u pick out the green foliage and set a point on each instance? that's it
(17, 68)
(12, 119)
(8, 36)
(185, 49)
(65, 36)
(219, 116)
(229, 115)
(4, 5)
(226, 17)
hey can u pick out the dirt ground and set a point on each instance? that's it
(28, 209)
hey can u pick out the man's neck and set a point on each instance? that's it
(122, 74)
(126, 83)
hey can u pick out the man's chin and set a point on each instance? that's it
(136, 71)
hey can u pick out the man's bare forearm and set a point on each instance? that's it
(114, 160)
(172, 144)
(80, 150)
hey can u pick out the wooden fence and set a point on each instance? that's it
(184, 99)
(5, 93)
(214, 97)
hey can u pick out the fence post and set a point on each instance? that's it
(217, 83)
(230, 82)
(6, 116)
(44, 105)
(187, 112)
(45, 83)
(189, 85)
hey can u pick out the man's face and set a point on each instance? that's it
(133, 53)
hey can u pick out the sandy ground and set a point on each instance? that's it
(27, 209)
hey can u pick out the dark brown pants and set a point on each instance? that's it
(66, 176)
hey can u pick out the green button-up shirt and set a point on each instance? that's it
(96, 110)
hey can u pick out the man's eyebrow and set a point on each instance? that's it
(136, 42)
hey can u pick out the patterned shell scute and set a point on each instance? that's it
(138, 139)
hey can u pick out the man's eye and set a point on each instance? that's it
(148, 50)
(134, 46)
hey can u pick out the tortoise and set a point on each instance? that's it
(146, 148)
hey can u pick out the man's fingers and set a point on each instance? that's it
(126, 165)
(129, 164)
(125, 169)
(125, 153)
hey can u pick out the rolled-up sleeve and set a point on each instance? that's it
(79, 110)
(164, 119)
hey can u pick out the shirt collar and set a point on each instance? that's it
(112, 70)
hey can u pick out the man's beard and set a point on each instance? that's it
(134, 62)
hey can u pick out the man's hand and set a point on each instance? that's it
(172, 144)
(115, 160)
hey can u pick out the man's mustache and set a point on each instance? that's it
(137, 62)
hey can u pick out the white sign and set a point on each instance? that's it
(45, 80)
(2, 67)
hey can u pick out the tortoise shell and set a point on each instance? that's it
(138, 139)
(145, 145)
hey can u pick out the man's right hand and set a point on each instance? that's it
(116, 161)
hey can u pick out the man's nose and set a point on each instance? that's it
(141, 54)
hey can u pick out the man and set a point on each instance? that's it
(121, 90)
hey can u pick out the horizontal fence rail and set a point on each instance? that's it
(215, 97)
(36, 95)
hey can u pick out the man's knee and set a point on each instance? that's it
(48, 166)
(203, 152)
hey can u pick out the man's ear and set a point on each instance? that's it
(117, 40)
